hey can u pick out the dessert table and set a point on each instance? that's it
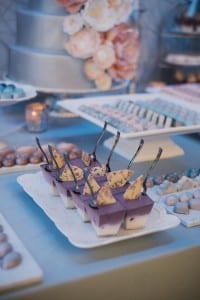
(162, 265)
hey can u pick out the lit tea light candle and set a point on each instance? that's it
(36, 117)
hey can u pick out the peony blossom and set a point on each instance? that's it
(97, 15)
(121, 9)
(104, 82)
(72, 23)
(84, 43)
(104, 57)
(125, 41)
(72, 6)
(92, 71)
(102, 15)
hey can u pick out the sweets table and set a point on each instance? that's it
(163, 265)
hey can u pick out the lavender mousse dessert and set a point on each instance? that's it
(80, 199)
(137, 205)
(105, 212)
(51, 170)
(66, 184)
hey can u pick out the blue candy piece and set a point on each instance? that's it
(173, 177)
(9, 88)
(2, 86)
(6, 95)
(192, 173)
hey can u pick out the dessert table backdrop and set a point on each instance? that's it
(163, 265)
(155, 12)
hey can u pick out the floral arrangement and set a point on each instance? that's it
(99, 33)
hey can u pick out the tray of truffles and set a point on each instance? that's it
(11, 93)
(136, 115)
(179, 194)
(93, 205)
(17, 266)
(25, 158)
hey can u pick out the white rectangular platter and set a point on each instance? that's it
(82, 234)
(27, 272)
(75, 106)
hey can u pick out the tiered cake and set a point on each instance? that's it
(38, 58)
(93, 48)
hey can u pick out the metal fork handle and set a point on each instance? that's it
(136, 153)
(53, 158)
(66, 158)
(152, 166)
(111, 152)
(93, 203)
(40, 147)
(98, 141)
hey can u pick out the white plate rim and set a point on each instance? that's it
(29, 91)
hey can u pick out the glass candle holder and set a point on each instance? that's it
(36, 116)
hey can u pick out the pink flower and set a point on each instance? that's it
(72, 6)
(125, 41)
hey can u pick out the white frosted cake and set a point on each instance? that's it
(93, 48)
(38, 58)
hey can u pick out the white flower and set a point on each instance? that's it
(104, 82)
(121, 10)
(84, 43)
(72, 23)
(92, 71)
(102, 15)
(104, 57)
(97, 14)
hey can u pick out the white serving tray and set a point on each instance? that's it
(82, 234)
(74, 106)
(27, 272)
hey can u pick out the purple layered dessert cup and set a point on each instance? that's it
(50, 175)
(107, 214)
(66, 184)
(137, 205)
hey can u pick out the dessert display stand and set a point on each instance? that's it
(180, 45)
(126, 147)
(129, 141)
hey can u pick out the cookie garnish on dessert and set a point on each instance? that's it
(105, 196)
(134, 190)
(93, 185)
(66, 174)
(119, 178)
(86, 158)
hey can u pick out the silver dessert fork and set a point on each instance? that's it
(93, 154)
(111, 152)
(152, 166)
(136, 153)
(43, 152)
(92, 200)
(76, 186)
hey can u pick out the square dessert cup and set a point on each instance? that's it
(50, 177)
(79, 201)
(105, 219)
(136, 211)
(65, 189)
